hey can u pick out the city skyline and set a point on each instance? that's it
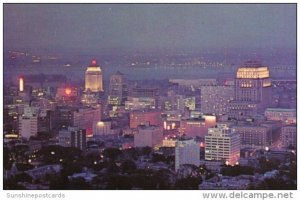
(150, 97)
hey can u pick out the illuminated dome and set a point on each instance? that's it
(253, 70)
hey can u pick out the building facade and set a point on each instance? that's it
(72, 137)
(222, 143)
(117, 89)
(252, 90)
(93, 78)
(148, 135)
(187, 151)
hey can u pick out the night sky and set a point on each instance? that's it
(92, 27)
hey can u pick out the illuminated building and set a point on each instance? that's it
(252, 90)
(84, 118)
(183, 103)
(102, 128)
(171, 125)
(287, 116)
(187, 151)
(215, 99)
(288, 136)
(21, 84)
(169, 142)
(93, 78)
(222, 143)
(89, 98)
(148, 135)
(117, 89)
(66, 92)
(197, 126)
(72, 137)
(139, 103)
(153, 117)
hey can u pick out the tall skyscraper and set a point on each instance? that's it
(187, 151)
(93, 78)
(222, 143)
(252, 90)
(117, 89)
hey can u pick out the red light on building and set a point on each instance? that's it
(68, 91)
(94, 62)
(201, 144)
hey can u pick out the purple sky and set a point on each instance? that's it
(92, 27)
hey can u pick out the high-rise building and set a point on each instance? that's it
(222, 143)
(252, 90)
(28, 126)
(117, 89)
(187, 151)
(148, 135)
(72, 137)
(93, 78)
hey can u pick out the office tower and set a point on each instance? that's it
(93, 78)
(222, 143)
(148, 135)
(215, 99)
(187, 151)
(117, 89)
(287, 116)
(289, 136)
(72, 137)
(84, 118)
(142, 117)
(252, 90)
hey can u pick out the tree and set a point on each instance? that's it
(128, 166)
(189, 183)
(236, 170)
(112, 153)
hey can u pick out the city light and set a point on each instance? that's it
(109, 107)
(21, 84)
(68, 91)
